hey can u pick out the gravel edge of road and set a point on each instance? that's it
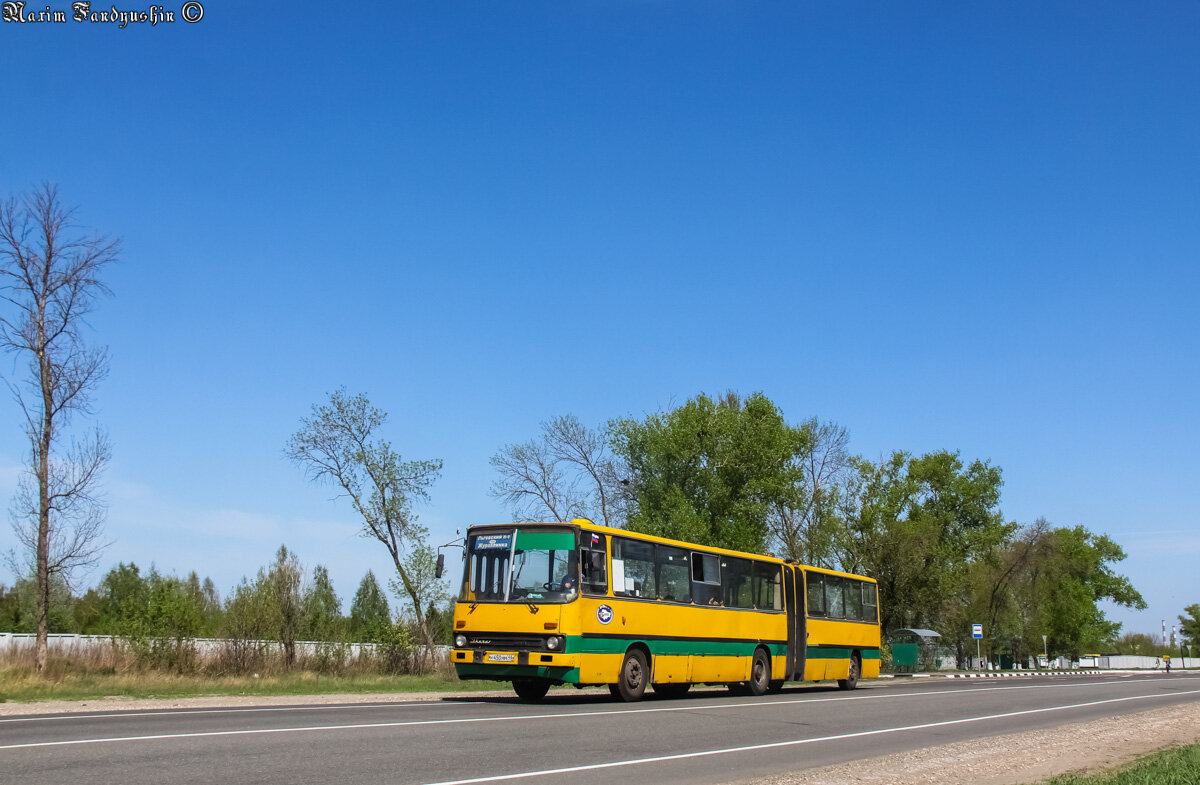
(1017, 758)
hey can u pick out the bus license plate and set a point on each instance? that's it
(502, 658)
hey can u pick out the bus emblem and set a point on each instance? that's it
(604, 614)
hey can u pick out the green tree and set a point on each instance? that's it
(10, 609)
(1138, 643)
(339, 444)
(918, 525)
(369, 612)
(420, 565)
(250, 619)
(709, 471)
(1059, 594)
(203, 594)
(441, 619)
(322, 608)
(87, 613)
(281, 582)
(1189, 625)
(22, 607)
(173, 618)
(124, 598)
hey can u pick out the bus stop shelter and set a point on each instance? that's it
(913, 649)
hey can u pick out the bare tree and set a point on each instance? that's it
(532, 484)
(586, 449)
(339, 445)
(50, 278)
(566, 472)
(805, 522)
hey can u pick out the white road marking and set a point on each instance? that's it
(555, 716)
(234, 710)
(794, 742)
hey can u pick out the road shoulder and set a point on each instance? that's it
(1018, 758)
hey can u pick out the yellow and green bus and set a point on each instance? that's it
(576, 603)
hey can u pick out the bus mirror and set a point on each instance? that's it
(441, 565)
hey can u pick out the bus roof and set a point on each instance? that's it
(584, 523)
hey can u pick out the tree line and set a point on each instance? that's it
(731, 471)
(158, 618)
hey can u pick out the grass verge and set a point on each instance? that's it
(18, 685)
(1180, 766)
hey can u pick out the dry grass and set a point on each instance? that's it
(119, 670)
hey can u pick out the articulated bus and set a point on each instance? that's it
(576, 603)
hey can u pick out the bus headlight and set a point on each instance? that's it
(553, 642)
(460, 641)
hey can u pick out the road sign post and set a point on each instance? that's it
(977, 633)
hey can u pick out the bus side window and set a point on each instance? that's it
(636, 564)
(706, 579)
(593, 559)
(835, 606)
(816, 594)
(854, 606)
(767, 594)
(673, 583)
(736, 582)
(870, 604)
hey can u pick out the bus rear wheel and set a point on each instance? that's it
(631, 683)
(531, 689)
(760, 674)
(851, 681)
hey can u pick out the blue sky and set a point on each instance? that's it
(951, 225)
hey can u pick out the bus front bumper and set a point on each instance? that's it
(508, 665)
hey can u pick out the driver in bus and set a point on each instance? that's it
(567, 583)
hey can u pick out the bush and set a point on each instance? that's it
(397, 648)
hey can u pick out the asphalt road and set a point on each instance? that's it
(707, 738)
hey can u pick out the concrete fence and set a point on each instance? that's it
(65, 643)
(1130, 661)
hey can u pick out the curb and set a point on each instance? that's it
(1006, 675)
(1017, 675)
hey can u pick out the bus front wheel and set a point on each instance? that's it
(851, 681)
(531, 689)
(631, 684)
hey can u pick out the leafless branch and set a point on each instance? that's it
(49, 283)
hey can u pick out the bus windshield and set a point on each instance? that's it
(512, 565)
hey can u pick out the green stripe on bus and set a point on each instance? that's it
(841, 652)
(545, 541)
(578, 644)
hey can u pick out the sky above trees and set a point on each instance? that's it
(943, 228)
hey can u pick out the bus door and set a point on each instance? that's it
(794, 595)
(794, 601)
